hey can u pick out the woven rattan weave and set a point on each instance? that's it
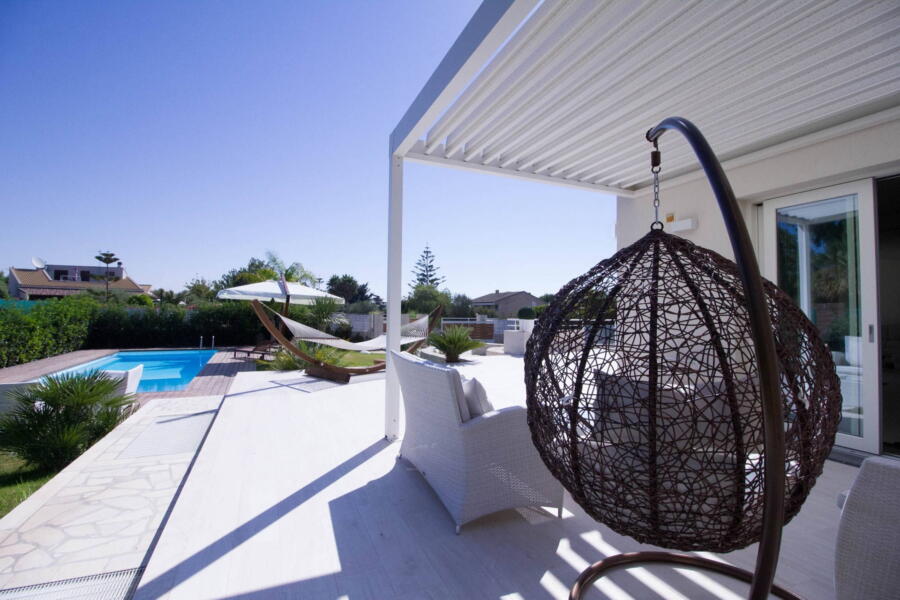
(643, 396)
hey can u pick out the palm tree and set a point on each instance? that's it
(106, 258)
(292, 272)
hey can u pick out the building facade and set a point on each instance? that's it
(58, 281)
(506, 304)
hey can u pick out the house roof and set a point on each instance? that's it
(496, 297)
(37, 282)
(563, 92)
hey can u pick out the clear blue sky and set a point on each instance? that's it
(189, 136)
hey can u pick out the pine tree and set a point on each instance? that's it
(425, 272)
(107, 258)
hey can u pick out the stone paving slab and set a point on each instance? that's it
(102, 512)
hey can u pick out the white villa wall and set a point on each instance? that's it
(870, 152)
(13, 286)
(369, 325)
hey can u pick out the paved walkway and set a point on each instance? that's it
(45, 366)
(102, 512)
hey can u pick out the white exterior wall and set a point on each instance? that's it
(361, 323)
(870, 152)
(13, 287)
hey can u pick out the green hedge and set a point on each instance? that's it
(232, 324)
(57, 326)
(49, 328)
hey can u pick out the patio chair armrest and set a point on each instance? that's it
(504, 465)
(502, 428)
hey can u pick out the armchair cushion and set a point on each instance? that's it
(476, 398)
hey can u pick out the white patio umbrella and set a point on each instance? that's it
(279, 291)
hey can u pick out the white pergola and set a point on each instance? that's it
(562, 92)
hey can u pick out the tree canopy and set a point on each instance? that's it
(199, 290)
(425, 298)
(425, 272)
(272, 268)
(460, 307)
(292, 272)
(349, 289)
(107, 258)
(164, 296)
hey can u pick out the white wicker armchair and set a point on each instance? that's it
(476, 466)
(867, 559)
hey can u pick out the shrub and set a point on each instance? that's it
(319, 313)
(56, 326)
(281, 361)
(140, 300)
(425, 298)
(62, 416)
(326, 354)
(526, 312)
(363, 307)
(453, 342)
(232, 324)
(342, 329)
(490, 313)
(461, 307)
(285, 361)
(539, 310)
(49, 328)
(18, 339)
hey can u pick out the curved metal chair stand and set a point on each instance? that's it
(568, 358)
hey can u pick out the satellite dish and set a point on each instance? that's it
(38, 262)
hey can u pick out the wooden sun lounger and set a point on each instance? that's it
(317, 368)
(262, 350)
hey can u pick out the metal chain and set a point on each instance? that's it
(655, 161)
(655, 193)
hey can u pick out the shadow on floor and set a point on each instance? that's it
(395, 540)
(183, 571)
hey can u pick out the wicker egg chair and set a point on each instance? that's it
(682, 400)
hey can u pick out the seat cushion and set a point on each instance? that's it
(476, 397)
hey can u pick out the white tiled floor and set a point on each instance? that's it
(297, 495)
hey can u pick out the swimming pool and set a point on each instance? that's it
(164, 370)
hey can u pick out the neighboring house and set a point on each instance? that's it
(506, 304)
(56, 281)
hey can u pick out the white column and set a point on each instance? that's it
(804, 271)
(394, 291)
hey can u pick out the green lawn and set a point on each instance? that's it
(17, 482)
(350, 359)
(358, 359)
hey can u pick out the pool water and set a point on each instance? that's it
(164, 370)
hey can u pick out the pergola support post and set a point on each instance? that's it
(394, 292)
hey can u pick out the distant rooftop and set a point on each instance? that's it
(66, 280)
(497, 296)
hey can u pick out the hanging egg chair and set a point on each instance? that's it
(680, 399)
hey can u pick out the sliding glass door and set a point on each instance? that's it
(820, 247)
